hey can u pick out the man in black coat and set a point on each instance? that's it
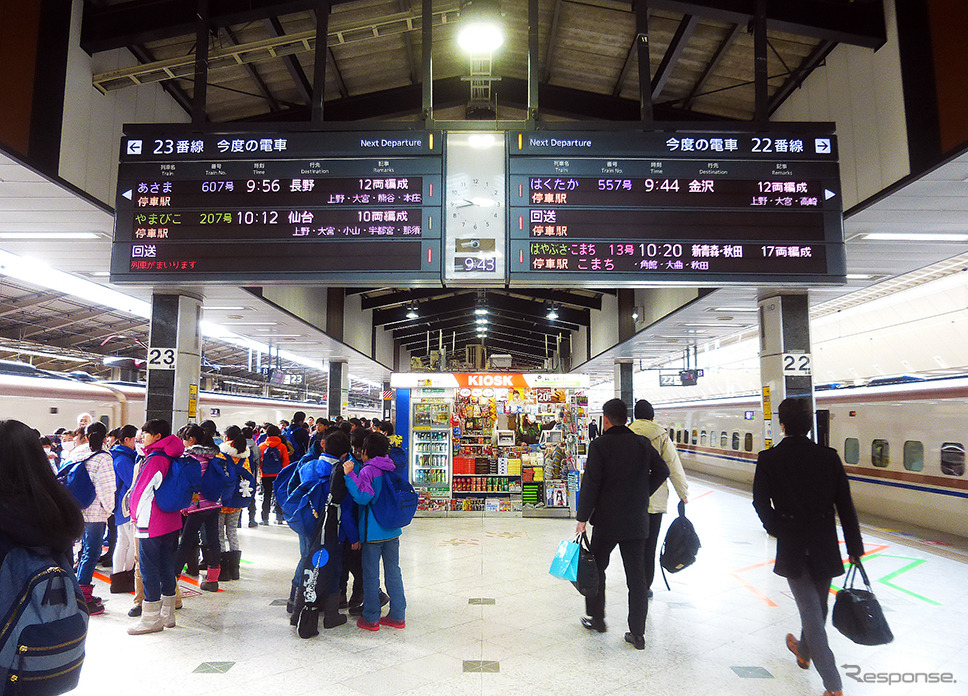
(796, 487)
(622, 472)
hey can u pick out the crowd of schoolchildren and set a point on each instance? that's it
(158, 498)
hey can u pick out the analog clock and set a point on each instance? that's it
(475, 207)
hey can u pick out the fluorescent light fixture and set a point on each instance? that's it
(41, 354)
(99, 274)
(206, 308)
(858, 276)
(480, 311)
(249, 323)
(482, 320)
(482, 141)
(49, 235)
(736, 310)
(40, 274)
(275, 335)
(552, 314)
(412, 314)
(915, 237)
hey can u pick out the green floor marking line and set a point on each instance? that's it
(915, 562)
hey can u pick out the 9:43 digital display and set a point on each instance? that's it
(470, 264)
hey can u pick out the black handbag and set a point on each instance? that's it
(587, 582)
(857, 613)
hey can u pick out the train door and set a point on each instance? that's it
(823, 427)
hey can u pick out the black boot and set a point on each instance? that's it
(122, 582)
(236, 557)
(331, 616)
(226, 574)
(298, 604)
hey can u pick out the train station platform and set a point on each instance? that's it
(485, 617)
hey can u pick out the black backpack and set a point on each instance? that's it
(680, 546)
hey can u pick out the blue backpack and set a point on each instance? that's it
(271, 462)
(302, 502)
(180, 484)
(396, 503)
(45, 622)
(75, 478)
(219, 475)
(298, 450)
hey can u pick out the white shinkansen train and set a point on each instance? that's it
(50, 403)
(903, 445)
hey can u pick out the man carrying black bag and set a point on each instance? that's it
(796, 487)
(622, 472)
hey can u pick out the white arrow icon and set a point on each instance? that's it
(127, 194)
(828, 194)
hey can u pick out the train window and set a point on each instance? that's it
(913, 455)
(695, 436)
(672, 434)
(851, 450)
(735, 441)
(953, 458)
(748, 442)
(724, 440)
(702, 438)
(678, 436)
(880, 453)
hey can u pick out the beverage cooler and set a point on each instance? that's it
(430, 446)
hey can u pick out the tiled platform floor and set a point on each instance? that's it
(718, 632)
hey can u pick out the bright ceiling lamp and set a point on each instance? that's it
(481, 29)
(552, 313)
(412, 313)
(40, 274)
(482, 321)
(915, 237)
(481, 311)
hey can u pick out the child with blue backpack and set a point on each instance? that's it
(89, 448)
(156, 530)
(378, 541)
(122, 564)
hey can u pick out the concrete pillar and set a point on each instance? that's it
(174, 359)
(786, 364)
(623, 382)
(338, 389)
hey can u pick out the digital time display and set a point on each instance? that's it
(301, 207)
(612, 209)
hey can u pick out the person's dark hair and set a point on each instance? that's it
(346, 427)
(96, 432)
(616, 411)
(115, 433)
(157, 426)
(247, 432)
(358, 437)
(44, 440)
(201, 436)
(376, 445)
(273, 430)
(29, 490)
(337, 444)
(127, 431)
(386, 427)
(79, 432)
(644, 410)
(298, 417)
(209, 427)
(234, 436)
(250, 424)
(356, 421)
(795, 416)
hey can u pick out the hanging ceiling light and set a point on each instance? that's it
(481, 29)
(481, 321)
(413, 313)
(480, 311)
(552, 313)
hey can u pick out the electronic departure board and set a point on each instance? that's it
(623, 208)
(351, 207)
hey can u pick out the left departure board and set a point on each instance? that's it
(351, 207)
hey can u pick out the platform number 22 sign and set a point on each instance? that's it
(161, 358)
(798, 364)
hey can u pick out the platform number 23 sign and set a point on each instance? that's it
(161, 358)
(800, 364)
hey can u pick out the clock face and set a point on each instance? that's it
(475, 207)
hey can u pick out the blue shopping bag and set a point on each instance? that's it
(565, 563)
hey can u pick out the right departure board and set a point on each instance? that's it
(674, 207)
